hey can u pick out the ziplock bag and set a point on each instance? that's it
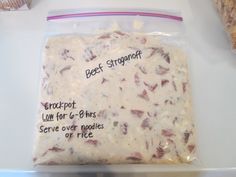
(114, 89)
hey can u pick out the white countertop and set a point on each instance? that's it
(212, 73)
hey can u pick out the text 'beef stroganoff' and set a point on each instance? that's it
(114, 98)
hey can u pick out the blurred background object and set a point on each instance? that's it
(9, 5)
(227, 10)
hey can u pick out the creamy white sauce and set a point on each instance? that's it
(143, 105)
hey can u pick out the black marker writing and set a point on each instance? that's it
(93, 72)
(124, 59)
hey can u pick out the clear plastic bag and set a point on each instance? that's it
(114, 89)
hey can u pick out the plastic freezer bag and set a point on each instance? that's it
(114, 89)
